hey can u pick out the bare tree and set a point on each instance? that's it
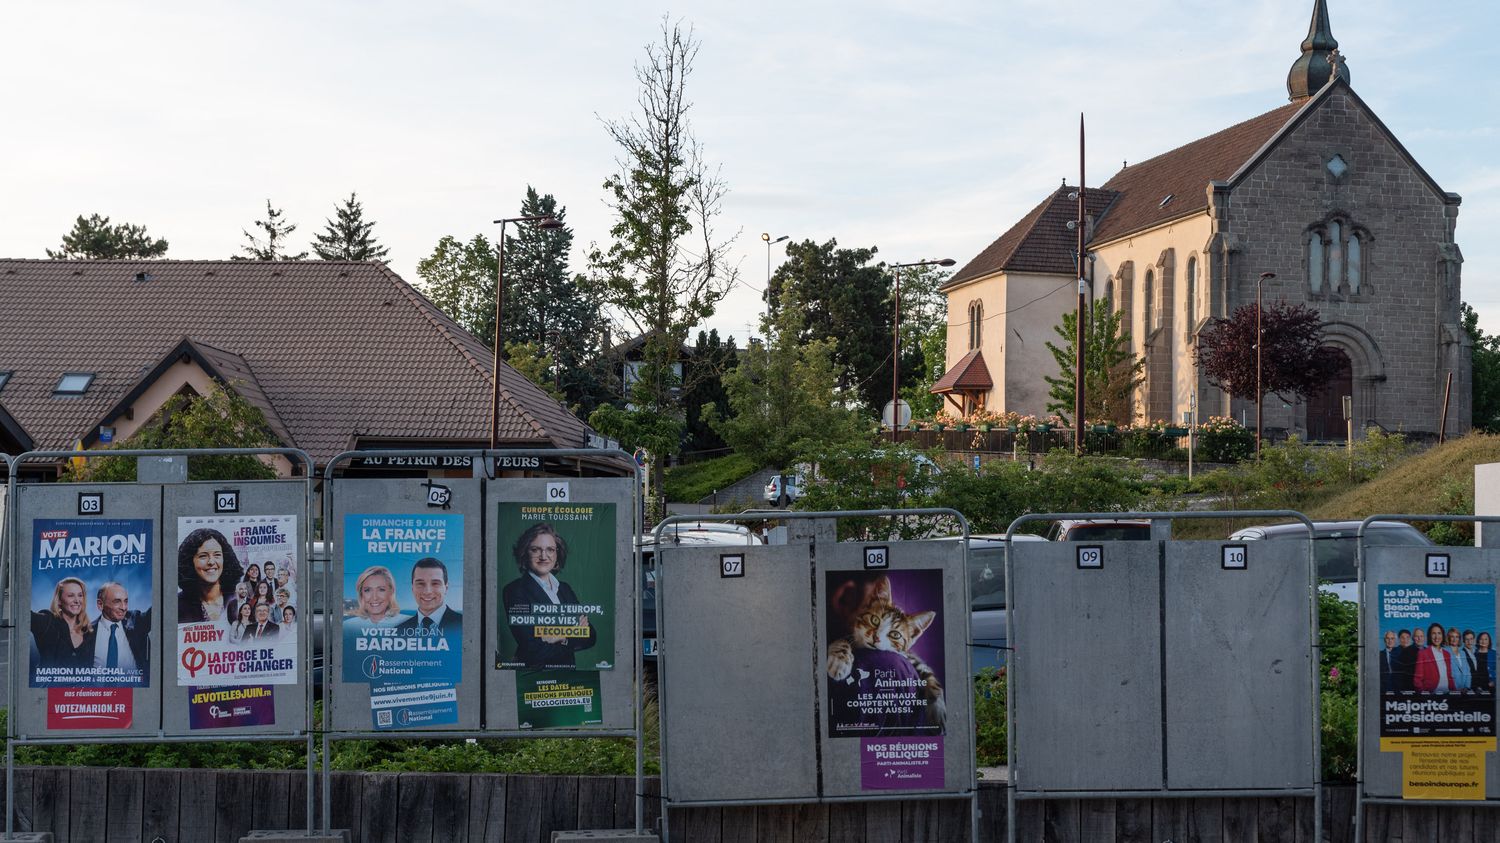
(665, 270)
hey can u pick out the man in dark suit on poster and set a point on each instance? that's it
(429, 586)
(121, 637)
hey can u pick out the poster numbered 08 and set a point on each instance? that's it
(407, 579)
(236, 586)
(86, 582)
(560, 625)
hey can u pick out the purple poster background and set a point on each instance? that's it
(223, 708)
(883, 694)
(901, 763)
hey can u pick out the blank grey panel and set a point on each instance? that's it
(263, 497)
(1405, 565)
(1087, 667)
(61, 501)
(406, 496)
(841, 755)
(616, 685)
(1239, 671)
(736, 674)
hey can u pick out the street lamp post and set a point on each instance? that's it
(896, 341)
(1260, 341)
(766, 236)
(545, 222)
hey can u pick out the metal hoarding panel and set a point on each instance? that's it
(1398, 594)
(593, 517)
(224, 677)
(886, 727)
(1238, 673)
(97, 534)
(1086, 667)
(737, 677)
(395, 524)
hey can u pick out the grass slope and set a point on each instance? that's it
(691, 482)
(1438, 480)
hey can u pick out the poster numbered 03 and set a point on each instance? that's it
(402, 633)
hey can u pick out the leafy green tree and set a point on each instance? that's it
(273, 247)
(847, 300)
(1110, 372)
(528, 359)
(666, 269)
(783, 398)
(94, 237)
(866, 476)
(459, 278)
(347, 237)
(1486, 373)
(220, 419)
(924, 337)
(712, 359)
(560, 312)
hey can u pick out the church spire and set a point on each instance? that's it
(1320, 58)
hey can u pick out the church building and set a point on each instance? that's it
(1318, 191)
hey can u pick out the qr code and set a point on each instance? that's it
(383, 718)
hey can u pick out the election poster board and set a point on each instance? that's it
(1437, 685)
(402, 622)
(236, 625)
(88, 655)
(555, 574)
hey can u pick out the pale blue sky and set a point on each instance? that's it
(925, 128)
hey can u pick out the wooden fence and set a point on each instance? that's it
(121, 804)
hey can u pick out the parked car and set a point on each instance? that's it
(1334, 545)
(1102, 530)
(696, 534)
(987, 638)
(784, 489)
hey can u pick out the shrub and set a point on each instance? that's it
(990, 729)
(1222, 439)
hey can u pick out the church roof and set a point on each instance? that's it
(1040, 242)
(1183, 174)
(347, 352)
(967, 375)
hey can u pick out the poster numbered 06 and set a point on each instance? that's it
(561, 629)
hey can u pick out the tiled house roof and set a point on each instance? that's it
(339, 351)
(1040, 242)
(1184, 174)
(969, 374)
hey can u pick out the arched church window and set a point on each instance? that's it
(1338, 253)
(1353, 256)
(1315, 261)
(1148, 293)
(976, 323)
(1192, 293)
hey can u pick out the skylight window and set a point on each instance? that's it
(5, 378)
(1167, 199)
(73, 383)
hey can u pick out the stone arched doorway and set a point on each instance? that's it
(1325, 411)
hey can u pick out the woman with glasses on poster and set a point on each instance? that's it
(540, 553)
(205, 562)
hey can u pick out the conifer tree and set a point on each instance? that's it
(347, 237)
(273, 247)
(94, 237)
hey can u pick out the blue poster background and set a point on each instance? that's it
(96, 551)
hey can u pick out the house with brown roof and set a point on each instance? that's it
(1318, 191)
(337, 355)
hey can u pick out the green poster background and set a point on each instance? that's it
(588, 529)
(558, 699)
